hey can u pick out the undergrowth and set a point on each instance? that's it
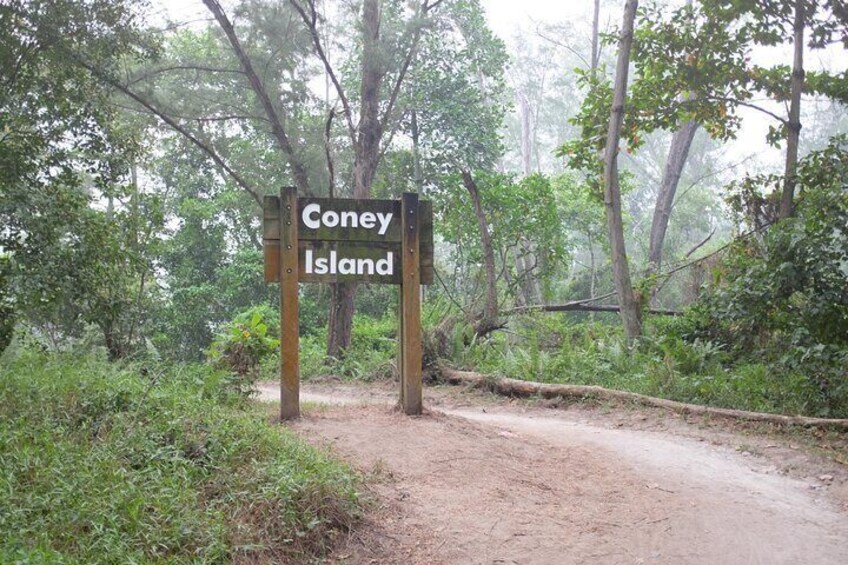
(108, 463)
(663, 365)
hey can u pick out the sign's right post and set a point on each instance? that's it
(410, 350)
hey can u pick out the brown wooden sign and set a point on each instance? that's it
(342, 240)
(345, 240)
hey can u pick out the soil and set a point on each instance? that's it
(479, 479)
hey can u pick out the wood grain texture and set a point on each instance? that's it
(410, 355)
(289, 322)
(271, 237)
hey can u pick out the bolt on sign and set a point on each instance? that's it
(333, 240)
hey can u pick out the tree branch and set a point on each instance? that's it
(748, 105)
(311, 21)
(410, 54)
(301, 179)
(175, 126)
(161, 70)
(328, 152)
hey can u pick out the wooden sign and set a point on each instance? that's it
(345, 240)
(341, 240)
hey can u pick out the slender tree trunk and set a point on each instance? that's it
(488, 320)
(526, 134)
(678, 152)
(787, 207)
(527, 291)
(596, 54)
(630, 306)
(593, 267)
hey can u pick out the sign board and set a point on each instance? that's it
(346, 240)
(333, 240)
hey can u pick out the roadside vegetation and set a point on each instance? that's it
(597, 220)
(131, 463)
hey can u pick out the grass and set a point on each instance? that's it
(100, 463)
(662, 366)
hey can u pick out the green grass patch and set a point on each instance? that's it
(102, 464)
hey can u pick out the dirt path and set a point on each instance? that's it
(492, 483)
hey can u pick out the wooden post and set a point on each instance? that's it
(289, 324)
(410, 348)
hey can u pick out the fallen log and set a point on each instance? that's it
(581, 306)
(514, 387)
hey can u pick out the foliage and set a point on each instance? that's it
(457, 87)
(244, 343)
(694, 63)
(517, 211)
(65, 152)
(785, 298)
(7, 307)
(554, 349)
(104, 463)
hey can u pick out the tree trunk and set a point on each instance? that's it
(366, 156)
(787, 207)
(340, 321)
(630, 306)
(596, 53)
(678, 152)
(488, 320)
(526, 264)
(526, 134)
(528, 289)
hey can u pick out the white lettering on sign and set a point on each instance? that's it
(313, 218)
(332, 265)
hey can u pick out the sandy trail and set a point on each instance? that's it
(491, 484)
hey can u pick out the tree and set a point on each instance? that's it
(680, 57)
(506, 208)
(456, 103)
(385, 57)
(63, 151)
(631, 309)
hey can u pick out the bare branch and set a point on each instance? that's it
(563, 45)
(198, 119)
(311, 21)
(698, 246)
(298, 170)
(428, 7)
(401, 76)
(749, 105)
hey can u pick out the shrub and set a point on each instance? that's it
(243, 345)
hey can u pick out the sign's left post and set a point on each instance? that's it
(281, 263)
(289, 322)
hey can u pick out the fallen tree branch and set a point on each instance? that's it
(514, 387)
(582, 306)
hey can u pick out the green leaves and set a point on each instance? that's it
(786, 300)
